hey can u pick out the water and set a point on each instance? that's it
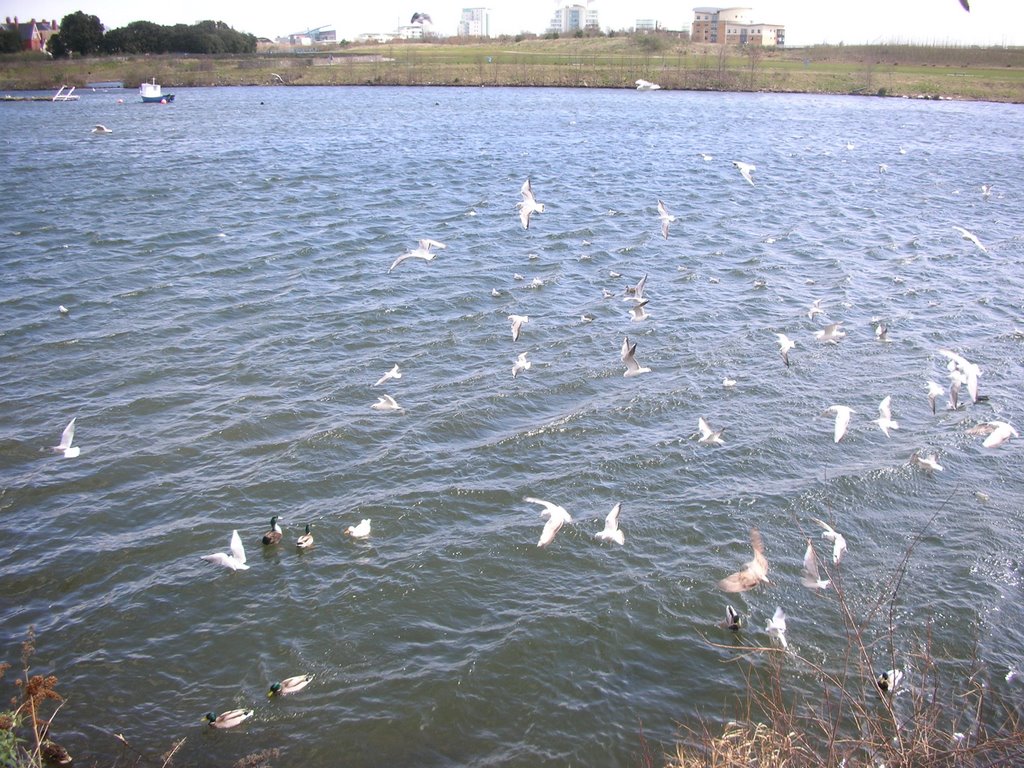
(224, 260)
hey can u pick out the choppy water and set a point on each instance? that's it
(224, 260)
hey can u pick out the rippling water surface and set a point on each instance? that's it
(225, 262)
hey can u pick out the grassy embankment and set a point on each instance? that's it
(992, 74)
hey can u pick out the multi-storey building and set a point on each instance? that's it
(734, 26)
(34, 34)
(571, 18)
(475, 22)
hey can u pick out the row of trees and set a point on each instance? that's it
(82, 34)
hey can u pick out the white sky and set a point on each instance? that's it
(990, 22)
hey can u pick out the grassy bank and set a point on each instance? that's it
(991, 74)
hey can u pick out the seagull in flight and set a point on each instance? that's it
(518, 321)
(628, 355)
(386, 403)
(637, 313)
(837, 539)
(753, 573)
(611, 531)
(1001, 432)
(928, 462)
(830, 334)
(815, 309)
(842, 414)
(528, 205)
(745, 169)
(809, 574)
(785, 344)
(666, 219)
(969, 236)
(556, 516)
(423, 251)
(935, 391)
(884, 420)
(520, 364)
(708, 436)
(235, 561)
(776, 627)
(101, 129)
(394, 373)
(65, 442)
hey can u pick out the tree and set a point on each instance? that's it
(79, 33)
(10, 40)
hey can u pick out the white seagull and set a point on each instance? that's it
(235, 561)
(815, 309)
(967, 372)
(635, 292)
(611, 530)
(518, 321)
(708, 436)
(556, 517)
(628, 355)
(785, 344)
(63, 310)
(830, 334)
(666, 219)
(360, 531)
(745, 169)
(386, 403)
(842, 414)
(528, 205)
(1001, 432)
(928, 462)
(809, 574)
(101, 129)
(520, 364)
(394, 373)
(884, 420)
(637, 312)
(837, 539)
(647, 85)
(776, 627)
(421, 252)
(65, 442)
(969, 236)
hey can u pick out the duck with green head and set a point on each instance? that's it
(273, 536)
(228, 719)
(305, 541)
(289, 685)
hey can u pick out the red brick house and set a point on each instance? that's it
(34, 34)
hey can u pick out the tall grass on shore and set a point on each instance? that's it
(942, 713)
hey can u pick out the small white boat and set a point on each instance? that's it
(151, 93)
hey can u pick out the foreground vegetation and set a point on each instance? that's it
(991, 74)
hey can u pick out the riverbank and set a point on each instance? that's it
(984, 74)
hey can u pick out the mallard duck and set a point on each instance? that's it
(305, 540)
(54, 753)
(289, 685)
(360, 531)
(887, 681)
(273, 536)
(228, 719)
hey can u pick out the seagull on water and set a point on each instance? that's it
(745, 169)
(666, 219)
(528, 205)
(753, 573)
(611, 531)
(386, 403)
(63, 310)
(394, 373)
(884, 420)
(518, 321)
(520, 364)
(842, 414)
(65, 442)
(928, 461)
(882, 332)
(708, 436)
(360, 531)
(235, 561)
(837, 539)
(809, 574)
(830, 334)
(1001, 432)
(556, 516)
(785, 344)
(421, 252)
(966, 372)
(776, 627)
(647, 85)
(969, 236)
(100, 129)
(634, 292)
(628, 355)
(815, 309)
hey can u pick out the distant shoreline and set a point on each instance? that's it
(920, 72)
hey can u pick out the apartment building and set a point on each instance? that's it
(475, 22)
(571, 18)
(734, 26)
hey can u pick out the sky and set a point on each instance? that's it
(807, 22)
